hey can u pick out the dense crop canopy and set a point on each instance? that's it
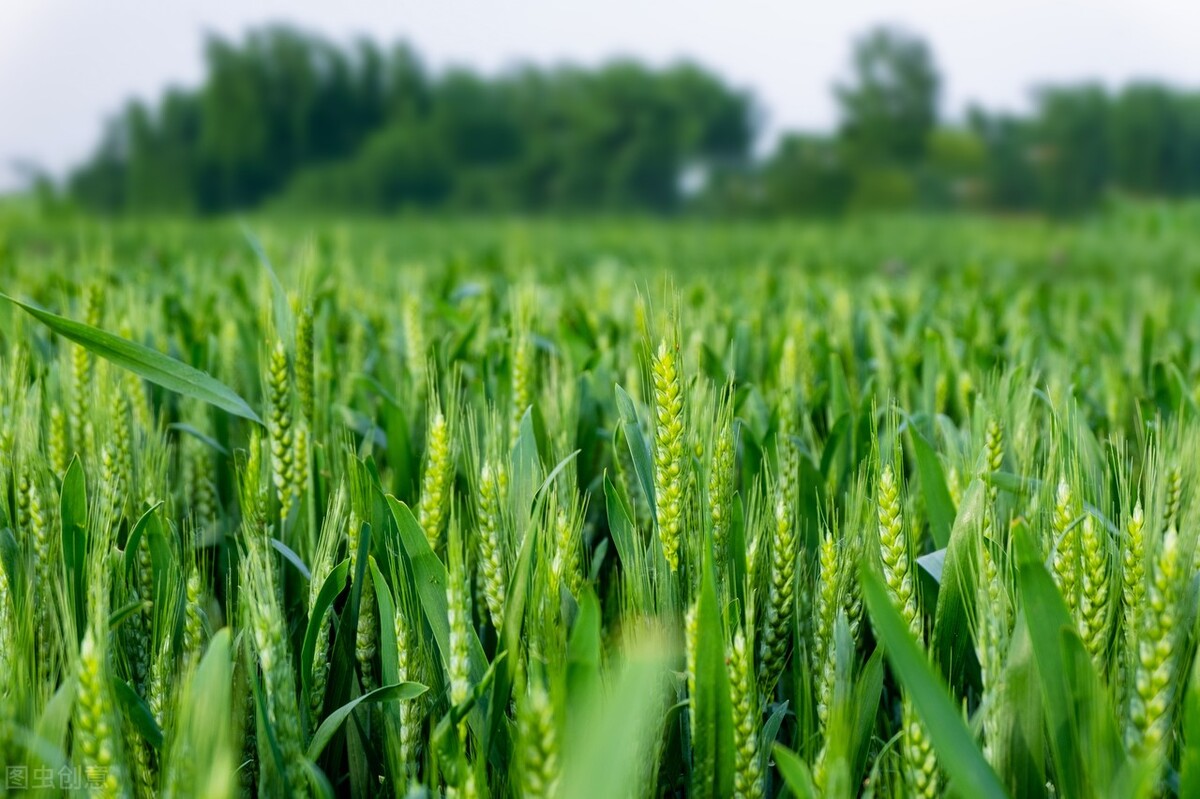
(553, 512)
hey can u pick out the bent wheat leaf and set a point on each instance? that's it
(149, 364)
(795, 772)
(388, 693)
(138, 713)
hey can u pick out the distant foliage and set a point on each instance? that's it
(288, 119)
(1081, 144)
(288, 115)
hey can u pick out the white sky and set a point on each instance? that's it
(65, 65)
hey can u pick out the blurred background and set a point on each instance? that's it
(540, 107)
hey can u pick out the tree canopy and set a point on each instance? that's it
(288, 118)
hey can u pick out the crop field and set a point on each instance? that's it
(888, 508)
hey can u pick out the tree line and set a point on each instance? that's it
(289, 119)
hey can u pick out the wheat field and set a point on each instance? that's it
(887, 510)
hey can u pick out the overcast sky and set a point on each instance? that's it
(65, 65)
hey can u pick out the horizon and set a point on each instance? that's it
(759, 47)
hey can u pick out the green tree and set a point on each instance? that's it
(808, 175)
(956, 164)
(1072, 153)
(1009, 180)
(890, 104)
(100, 183)
(1146, 140)
(286, 115)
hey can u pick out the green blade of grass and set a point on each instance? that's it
(712, 712)
(953, 742)
(138, 713)
(73, 513)
(429, 576)
(149, 364)
(334, 584)
(55, 721)
(389, 654)
(639, 448)
(148, 524)
(510, 642)
(329, 727)
(389, 661)
(867, 693)
(125, 612)
(938, 505)
(951, 618)
(795, 772)
(584, 647)
(292, 558)
(526, 472)
(279, 300)
(620, 524)
(611, 752)
(1084, 743)
(12, 560)
(1189, 758)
